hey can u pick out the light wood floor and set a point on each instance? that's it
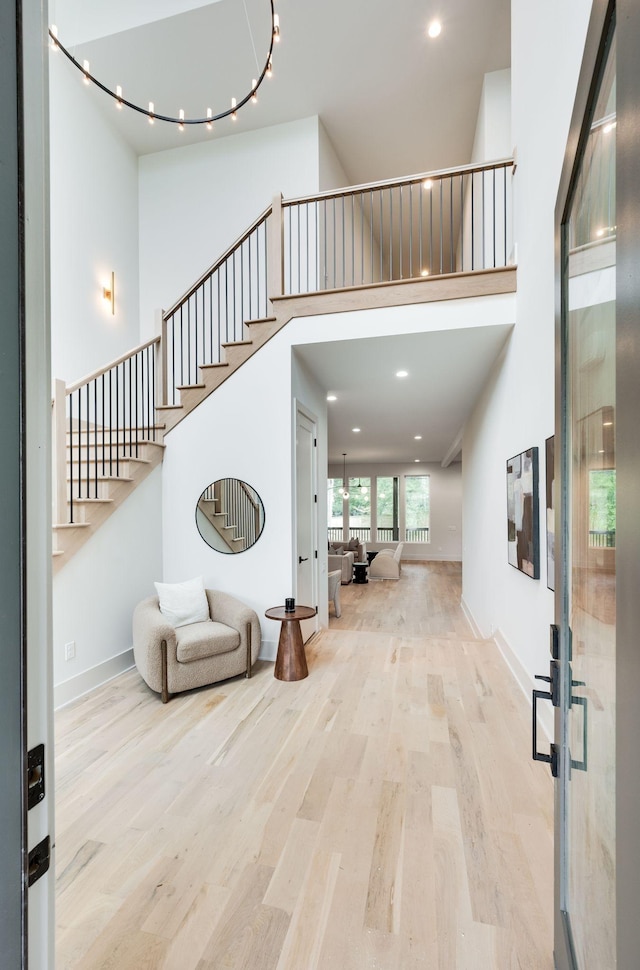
(384, 813)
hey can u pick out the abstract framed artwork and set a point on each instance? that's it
(523, 528)
(551, 511)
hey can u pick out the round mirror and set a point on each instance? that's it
(230, 515)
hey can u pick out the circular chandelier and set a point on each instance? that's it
(181, 121)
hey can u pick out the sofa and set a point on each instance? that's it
(344, 563)
(358, 549)
(386, 565)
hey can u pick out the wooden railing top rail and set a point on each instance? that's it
(406, 180)
(114, 363)
(219, 261)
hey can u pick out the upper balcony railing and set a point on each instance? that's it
(451, 221)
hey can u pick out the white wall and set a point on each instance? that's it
(94, 230)
(445, 492)
(197, 200)
(95, 592)
(493, 129)
(306, 390)
(332, 174)
(516, 410)
(244, 430)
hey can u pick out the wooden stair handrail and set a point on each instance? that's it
(115, 363)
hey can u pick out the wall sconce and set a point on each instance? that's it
(109, 293)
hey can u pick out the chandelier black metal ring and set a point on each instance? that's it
(152, 115)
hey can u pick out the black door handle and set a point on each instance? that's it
(302, 559)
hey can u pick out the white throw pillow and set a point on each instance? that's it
(183, 603)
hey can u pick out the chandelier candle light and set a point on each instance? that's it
(181, 121)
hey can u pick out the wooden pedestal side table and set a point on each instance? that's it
(291, 662)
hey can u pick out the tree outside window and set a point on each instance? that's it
(387, 509)
(602, 507)
(334, 509)
(417, 508)
(360, 508)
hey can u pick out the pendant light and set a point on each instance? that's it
(345, 490)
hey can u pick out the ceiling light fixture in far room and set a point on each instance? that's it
(180, 121)
(434, 29)
(402, 373)
(356, 430)
(417, 437)
(416, 459)
(331, 397)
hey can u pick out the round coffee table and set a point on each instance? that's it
(291, 662)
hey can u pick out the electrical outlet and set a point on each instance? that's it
(70, 650)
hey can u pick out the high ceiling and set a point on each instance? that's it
(393, 102)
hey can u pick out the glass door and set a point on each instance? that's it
(587, 694)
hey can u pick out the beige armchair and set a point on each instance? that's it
(344, 562)
(386, 565)
(171, 659)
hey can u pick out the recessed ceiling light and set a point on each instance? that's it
(601, 452)
(417, 437)
(331, 397)
(416, 459)
(355, 430)
(402, 373)
(434, 28)
(607, 424)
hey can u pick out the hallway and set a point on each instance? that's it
(382, 813)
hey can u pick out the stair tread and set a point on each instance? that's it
(250, 323)
(71, 525)
(106, 478)
(92, 501)
(169, 407)
(238, 343)
(220, 363)
(190, 387)
(121, 458)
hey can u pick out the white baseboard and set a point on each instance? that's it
(70, 690)
(525, 682)
(470, 620)
(521, 676)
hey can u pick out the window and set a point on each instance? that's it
(416, 508)
(334, 509)
(387, 508)
(360, 508)
(602, 507)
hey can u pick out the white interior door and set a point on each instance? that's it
(305, 518)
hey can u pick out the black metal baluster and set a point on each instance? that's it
(483, 224)
(462, 223)
(411, 230)
(390, 234)
(71, 458)
(401, 239)
(472, 224)
(441, 221)
(451, 223)
(117, 423)
(344, 256)
(504, 186)
(421, 230)
(494, 217)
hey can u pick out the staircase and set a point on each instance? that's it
(435, 236)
